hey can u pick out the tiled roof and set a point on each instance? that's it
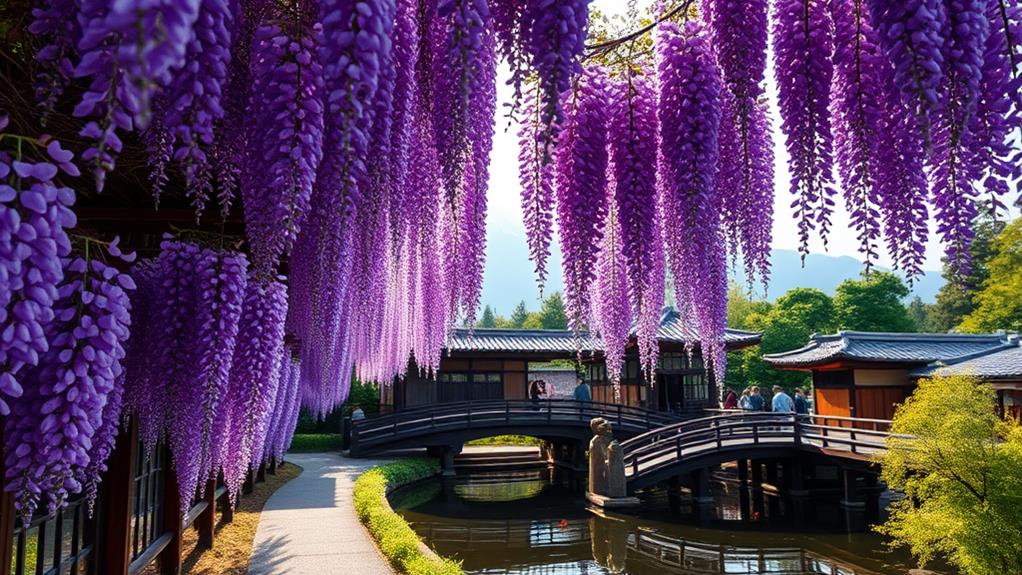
(887, 347)
(1002, 363)
(671, 330)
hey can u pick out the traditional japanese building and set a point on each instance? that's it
(494, 364)
(867, 374)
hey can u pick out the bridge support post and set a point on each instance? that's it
(852, 496)
(446, 454)
(771, 490)
(757, 489)
(674, 494)
(701, 487)
(743, 488)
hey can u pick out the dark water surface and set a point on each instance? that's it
(539, 523)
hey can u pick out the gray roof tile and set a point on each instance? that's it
(887, 347)
(1002, 363)
(672, 330)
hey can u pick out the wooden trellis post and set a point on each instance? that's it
(118, 498)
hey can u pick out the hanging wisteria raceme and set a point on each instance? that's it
(612, 312)
(461, 63)
(901, 183)
(952, 168)
(200, 293)
(535, 176)
(57, 424)
(145, 387)
(857, 107)
(193, 98)
(803, 44)
(55, 23)
(632, 139)
(35, 214)
(254, 377)
(471, 252)
(128, 51)
(229, 139)
(285, 113)
(581, 188)
(738, 29)
(285, 402)
(998, 113)
(746, 195)
(911, 34)
(689, 114)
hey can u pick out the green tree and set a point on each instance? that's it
(920, 314)
(518, 316)
(552, 312)
(956, 298)
(960, 474)
(501, 322)
(999, 303)
(488, 319)
(742, 309)
(533, 320)
(786, 325)
(872, 303)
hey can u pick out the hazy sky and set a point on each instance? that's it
(505, 216)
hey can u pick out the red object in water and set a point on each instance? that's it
(563, 523)
(755, 515)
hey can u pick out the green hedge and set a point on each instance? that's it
(315, 442)
(506, 440)
(393, 535)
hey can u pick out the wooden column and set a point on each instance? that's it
(757, 489)
(6, 517)
(261, 473)
(743, 488)
(118, 502)
(170, 557)
(205, 523)
(246, 487)
(272, 470)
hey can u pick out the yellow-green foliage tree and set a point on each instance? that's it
(961, 472)
(999, 303)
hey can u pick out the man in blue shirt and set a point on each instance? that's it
(782, 402)
(582, 390)
(801, 405)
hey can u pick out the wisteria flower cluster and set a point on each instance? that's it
(358, 135)
(59, 428)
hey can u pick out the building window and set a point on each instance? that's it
(695, 387)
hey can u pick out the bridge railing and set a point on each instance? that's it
(477, 414)
(665, 446)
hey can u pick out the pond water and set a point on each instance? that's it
(539, 523)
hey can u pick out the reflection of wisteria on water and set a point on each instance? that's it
(534, 524)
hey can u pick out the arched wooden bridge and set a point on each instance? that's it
(455, 423)
(685, 446)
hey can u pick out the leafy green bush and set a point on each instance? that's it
(315, 443)
(506, 440)
(395, 537)
(367, 395)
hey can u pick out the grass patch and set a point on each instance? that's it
(393, 535)
(232, 542)
(315, 443)
(506, 440)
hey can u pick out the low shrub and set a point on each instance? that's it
(395, 537)
(506, 440)
(315, 442)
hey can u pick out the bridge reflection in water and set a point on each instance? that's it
(539, 526)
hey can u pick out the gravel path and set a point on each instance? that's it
(309, 527)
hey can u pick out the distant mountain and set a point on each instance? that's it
(509, 277)
(826, 272)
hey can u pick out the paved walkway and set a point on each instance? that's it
(309, 527)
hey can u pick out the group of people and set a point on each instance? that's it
(752, 399)
(538, 390)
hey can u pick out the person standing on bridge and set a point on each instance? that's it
(730, 399)
(582, 390)
(756, 401)
(801, 404)
(782, 402)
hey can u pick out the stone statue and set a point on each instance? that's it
(598, 455)
(615, 470)
(607, 485)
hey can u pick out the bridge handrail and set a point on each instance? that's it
(379, 429)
